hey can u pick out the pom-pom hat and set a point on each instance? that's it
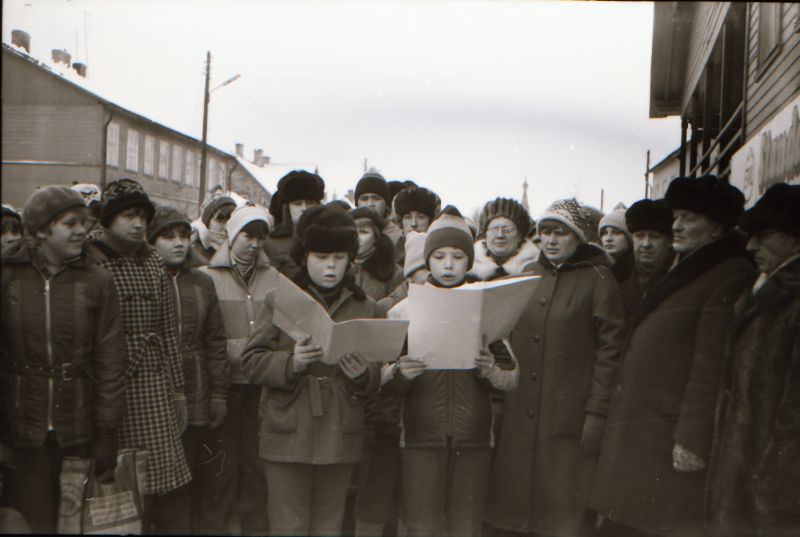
(449, 229)
(615, 219)
(708, 195)
(373, 183)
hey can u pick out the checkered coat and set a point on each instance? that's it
(154, 365)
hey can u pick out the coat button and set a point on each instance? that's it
(531, 413)
(543, 301)
(533, 375)
(537, 338)
(248, 297)
(252, 323)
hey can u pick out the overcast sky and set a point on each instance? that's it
(467, 98)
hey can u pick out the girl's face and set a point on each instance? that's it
(448, 265)
(415, 221)
(366, 235)
(245, 247)
(130, 224)
(173, 245)
(614, 241)
(326, 269)
(558, 242)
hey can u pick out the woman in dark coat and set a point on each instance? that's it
(650, 474)
(753, 486)
(567, 343)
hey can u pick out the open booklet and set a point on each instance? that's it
(448, 326)
(299, 315)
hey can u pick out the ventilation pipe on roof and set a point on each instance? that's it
(265, 160)
(80, 68)
(240, 150)
(258, 157)
(61, 56)
(21, 39)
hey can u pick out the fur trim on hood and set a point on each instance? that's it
(486, 268)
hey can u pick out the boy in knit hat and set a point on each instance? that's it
(243, 279)
(62, 354)
(372, 191)
(502, 248)
(214, 215)
(203, 353)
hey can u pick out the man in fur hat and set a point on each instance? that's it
(651, 473)
(372, 191)
(415, 208)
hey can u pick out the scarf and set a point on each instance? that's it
(245, 270)
(361, 258)
(124, 245)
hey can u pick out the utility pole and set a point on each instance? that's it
(204, 151)
(647, 177)
(602, 198)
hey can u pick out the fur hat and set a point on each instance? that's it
(244, 215)
(708, 195)
(415, 252)
(373, 183)
(778, 208)
(615, 219)
(47, 203)
(120, 195)
(449, 229)
(217, 200)
(416, 198)
(649, 215)
(506, 208)
(364, 212)
(324, 229)
(396, 186)
(164, 218)
(570, 213)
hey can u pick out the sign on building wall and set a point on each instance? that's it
(770, 156)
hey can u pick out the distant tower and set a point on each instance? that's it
(525, 194)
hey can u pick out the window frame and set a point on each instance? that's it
(112, 144)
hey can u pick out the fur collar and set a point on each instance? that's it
(779, 289)
(486, 268)
(381, 263)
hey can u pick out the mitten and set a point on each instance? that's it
(592, 436)
(104, 450)
(219, 407)
(684, 460)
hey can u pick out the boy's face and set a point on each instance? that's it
(372, 201)
(173, 243)
(130, 224)
(298, 207)
(448, 265)
(246, 246)
(326, 269)
(62, 239)
(415, 221)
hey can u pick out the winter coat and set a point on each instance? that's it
(567, 342)
(278, 247)
(392, 230)
(154, 371)
(754, 472)
(240, 302)
(201, 339)
(315, 416)
(62, 352)
(665, 392)
(378, 275)
(486, 268)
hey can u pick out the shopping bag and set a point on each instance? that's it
(87, 506)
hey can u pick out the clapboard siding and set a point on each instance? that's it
(706, 25)
(768, 90)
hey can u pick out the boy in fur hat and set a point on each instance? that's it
(502, 248)
(203, 354)
(374, 268)
(312, 417)
(62, 355)
(415, 208)
(372, 191)
(297, 192)
(243, 279)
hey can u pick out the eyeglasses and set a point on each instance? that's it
(505, 230)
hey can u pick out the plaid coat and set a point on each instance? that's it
(154, 365)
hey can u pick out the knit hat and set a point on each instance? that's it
(213, 203)
(90, 192)
(164, 218)
(244, 215)
(415, 248)
(449, 229)
(615, 219)
(778, 208)
(324, 229)
(570, 213)
(120, 195)
(373, 183)
(708, 195)
(649, 215)
(396, 186)
(416, 198)
(364, 212)
(507, 208)
(46, 204)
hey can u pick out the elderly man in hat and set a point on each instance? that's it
(651, 471)
(754, 474)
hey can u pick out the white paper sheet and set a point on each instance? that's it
(299, 315)
(448, 326)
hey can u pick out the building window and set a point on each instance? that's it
(222, 172)
(188, 172)
(112, 144)
(149, 154)
(769, 31)
(211, 173)
(163, 159)
(132, 160)
(177, 163)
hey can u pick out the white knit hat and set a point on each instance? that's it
(415, 256)
(615, 219)
(243, 216)
(570, 213)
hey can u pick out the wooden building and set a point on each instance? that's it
(731, 71)
(56, 130)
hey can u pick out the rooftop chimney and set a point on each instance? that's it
(258, 157)
(240, 150)
(80, 68)
(21, 39)
(265, 160)
(61, 56)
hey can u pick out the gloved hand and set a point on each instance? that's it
(594, 426)
(181, 412)
(219, 408)
(685, 461)
(104, 451)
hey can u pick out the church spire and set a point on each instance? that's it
(524, 200)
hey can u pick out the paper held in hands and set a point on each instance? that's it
(299, 315)
(448, 325)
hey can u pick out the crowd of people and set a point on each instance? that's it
(650, 387)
